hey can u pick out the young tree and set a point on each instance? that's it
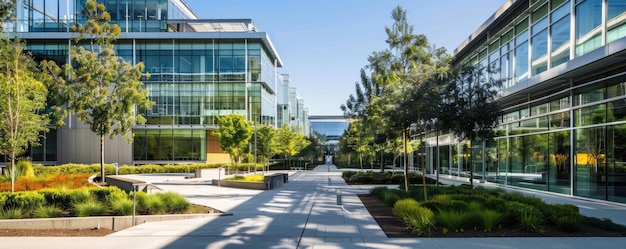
(233, 133)
(290, 143)
(22, 96)
(101, 88)
(469, 105)
(402, 71)
(313, 149)
(266, 143)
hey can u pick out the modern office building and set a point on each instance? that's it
(200, 69)
(291, 109)
(330, 127)
(563, 65)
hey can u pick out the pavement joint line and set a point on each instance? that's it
(307, 219)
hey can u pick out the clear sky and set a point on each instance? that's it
(324, 43)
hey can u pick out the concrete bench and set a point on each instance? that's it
(126, 184)
(276, 180)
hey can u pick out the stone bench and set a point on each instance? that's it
(126, 184)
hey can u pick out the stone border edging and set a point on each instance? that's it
(115, 223)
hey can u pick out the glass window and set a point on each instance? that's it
(560, 104)
(560, 41)
(590, 115)
(560, 12)
(560, 120)
(539, 51)
(521, 62)
(588, 20)
(616, 24)
(616, 90)
(589, 95)
(590, 162)
(539, 13)
(539, 109)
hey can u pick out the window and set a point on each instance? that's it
(616, 24)
(588, 31)
(539, 43)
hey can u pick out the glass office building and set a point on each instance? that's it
(199, 69)
(564, 99)
(330, 127)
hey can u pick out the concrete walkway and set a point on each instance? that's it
(302, 214)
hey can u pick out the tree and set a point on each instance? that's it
(469, 105)
(6, 11)
(402, 71)
(22, 97)
(314, 148)
(101, 88)
(233, 133)
(290, 143)
(266, 143)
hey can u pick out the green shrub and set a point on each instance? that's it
(3, 200)
(121, 206)
(566, 217)
(108, 193)
(390, 198)
(474, 206)
(377, 191)
(442, 198)
(530, 222)
(496, 203)
(454, 220)
(421, 219)
(571, 223)
(515, 210)
(90, 208)
(12, 213)
(81, 195)
(174, 203)
(48, 212)
(59, 198)
(150, 204)
(27, 201)
(490, 219)
(24, 168)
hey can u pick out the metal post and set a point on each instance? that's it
(339, 197)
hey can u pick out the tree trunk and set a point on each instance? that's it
(382, 161)
(361, 161)
(406, 167)
(471, 162)
(13, 172)
(422, 162)
(102, 179)
(438, 163)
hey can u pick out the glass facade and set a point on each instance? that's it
(220, 67)
(331, 127)
(566, 137)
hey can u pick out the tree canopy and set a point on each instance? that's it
(22, 98)
(290, 143)
(102, 89)
(233, 133)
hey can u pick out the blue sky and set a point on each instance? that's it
(325, 43)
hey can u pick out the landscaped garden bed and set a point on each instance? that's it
(372, 177)
(460, 211)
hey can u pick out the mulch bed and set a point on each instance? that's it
(393, 227)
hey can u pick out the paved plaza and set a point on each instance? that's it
(302, 214)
